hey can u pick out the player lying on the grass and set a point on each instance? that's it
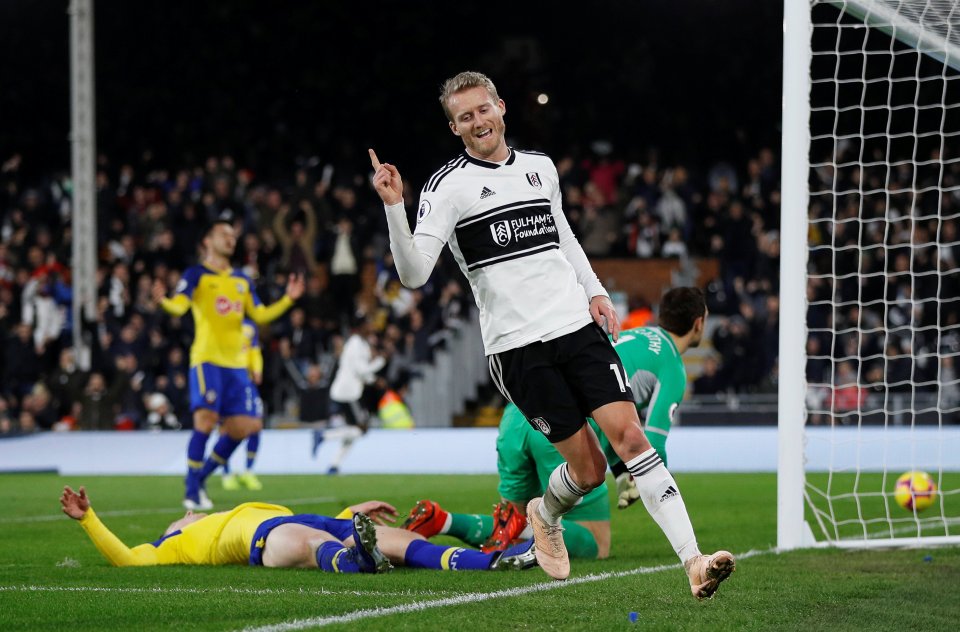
(260, 534)
(651, 357)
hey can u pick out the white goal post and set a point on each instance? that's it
(869, 272)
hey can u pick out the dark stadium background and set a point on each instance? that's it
(269, 82)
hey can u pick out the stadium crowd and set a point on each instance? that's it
(327, 223)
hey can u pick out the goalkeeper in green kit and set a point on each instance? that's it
(655, 374)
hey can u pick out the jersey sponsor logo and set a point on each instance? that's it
(534, 179)
(486, 193)
(541, 424)
(423, 211)
(507, 232)
(224, 305)
(501, 232)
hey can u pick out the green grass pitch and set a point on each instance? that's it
(52, 578)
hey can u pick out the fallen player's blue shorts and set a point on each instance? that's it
(340, 529)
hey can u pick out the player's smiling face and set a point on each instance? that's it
(477, 118)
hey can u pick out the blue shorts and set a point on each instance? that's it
(227, 392)
(340, 529)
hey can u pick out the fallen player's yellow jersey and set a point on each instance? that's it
(220, 538)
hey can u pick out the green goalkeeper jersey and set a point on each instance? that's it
(658, 380)
(657, 377)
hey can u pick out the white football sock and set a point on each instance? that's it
(661, 497)
(447, 523)
(561, 496)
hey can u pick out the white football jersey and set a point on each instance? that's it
(505, 226)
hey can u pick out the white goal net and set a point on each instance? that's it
(879, 345)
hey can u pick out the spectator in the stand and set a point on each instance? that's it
(770, 341)
(303, 341)
(848, 396)
(42, 313)
(598, 230)
(187, 226)
(100, 402)
(66, 382)
(177, 383)
(344, 268)
(674, 246)
(22, 363)
(160, 413)
(646, 191)
(419, 337)
(39, 405)
(707, 226)
(320, 308)
(731, 340)
(645, 236)
(899, 368)
(671, 208)
(118, 291)
(131, 403)
(453, 305)
(314, 395)
(401, 363)
(27, 422)
(297, 241)
(739, 244)
(767, 270)
(711, 380)
(605, 172)
(399, 299)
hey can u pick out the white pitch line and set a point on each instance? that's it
(146, 512)
(459, 600)
(240, 591)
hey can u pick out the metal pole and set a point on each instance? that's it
(83, 170)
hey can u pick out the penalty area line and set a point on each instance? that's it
(459, 600)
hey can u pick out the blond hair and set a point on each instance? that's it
(465, 81)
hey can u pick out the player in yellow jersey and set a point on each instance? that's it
(220, 387)
(233, 482)
(260, 534)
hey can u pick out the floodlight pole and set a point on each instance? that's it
(83, 173)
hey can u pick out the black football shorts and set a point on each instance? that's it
(557, 384)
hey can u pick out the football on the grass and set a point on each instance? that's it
(915, 491)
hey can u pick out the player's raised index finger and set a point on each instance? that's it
(373, 159)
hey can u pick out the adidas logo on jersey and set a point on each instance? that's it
(486, 193)
(670, 493)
